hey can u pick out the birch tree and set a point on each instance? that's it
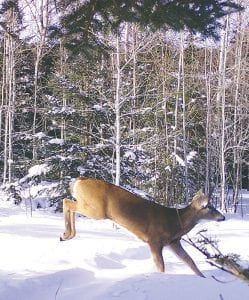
(40, 14)
(8, 85)
(239, 134)
(117, 74)
(208, 71)
(184, 122)
(221, 105)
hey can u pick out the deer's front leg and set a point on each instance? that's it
(156, 251)
(176, 247)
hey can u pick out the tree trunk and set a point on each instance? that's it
(9, 93)
(236, 124)
(184, 119)
(39, 13)
(208, 121)
(117, 114)
(221, 104)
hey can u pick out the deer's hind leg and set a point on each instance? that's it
(69, 207)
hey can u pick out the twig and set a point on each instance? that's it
(227, 263)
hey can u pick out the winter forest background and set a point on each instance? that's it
(162, 112)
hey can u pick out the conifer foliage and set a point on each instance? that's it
(105, 89)
(86, 19)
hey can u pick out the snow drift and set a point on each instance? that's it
(103, 262)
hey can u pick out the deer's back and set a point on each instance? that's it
(100, 200)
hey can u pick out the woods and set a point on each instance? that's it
(158, 111)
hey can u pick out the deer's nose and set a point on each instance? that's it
(222, 218)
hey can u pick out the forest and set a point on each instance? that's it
(159, 112)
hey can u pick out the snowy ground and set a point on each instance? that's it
(106, 263)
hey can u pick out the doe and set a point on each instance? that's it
(154, 224)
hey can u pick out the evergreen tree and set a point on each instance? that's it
(86, 21)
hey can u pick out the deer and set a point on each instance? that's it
(157, 225)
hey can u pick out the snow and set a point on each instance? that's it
(105, 262)
(130, 155)
(97, 107)
(191, 155)
(40, 135)
(57, 141)
(38, 170)
(35, 195)
(179, 160)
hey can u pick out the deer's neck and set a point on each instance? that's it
(187, 219)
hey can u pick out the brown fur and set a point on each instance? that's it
(155, 224)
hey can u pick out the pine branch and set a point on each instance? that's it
(84, 24)
(228, 263)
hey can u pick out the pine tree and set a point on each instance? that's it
(86, 21)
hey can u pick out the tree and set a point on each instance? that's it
(221, 105)
(147, 105)
(40, 14)
(88, 18)
(11, 19)
(117, 112)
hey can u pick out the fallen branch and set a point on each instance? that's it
(228, 263)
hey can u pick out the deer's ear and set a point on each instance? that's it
(200, 200)
(203, 201)
(200, 192)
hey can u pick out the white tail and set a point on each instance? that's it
(155, 224)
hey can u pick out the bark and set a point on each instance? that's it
(221, 104)
(184, 123)
(117, 113)
(39, 13)
(237, 124)
(8, 93)
(208, 70)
